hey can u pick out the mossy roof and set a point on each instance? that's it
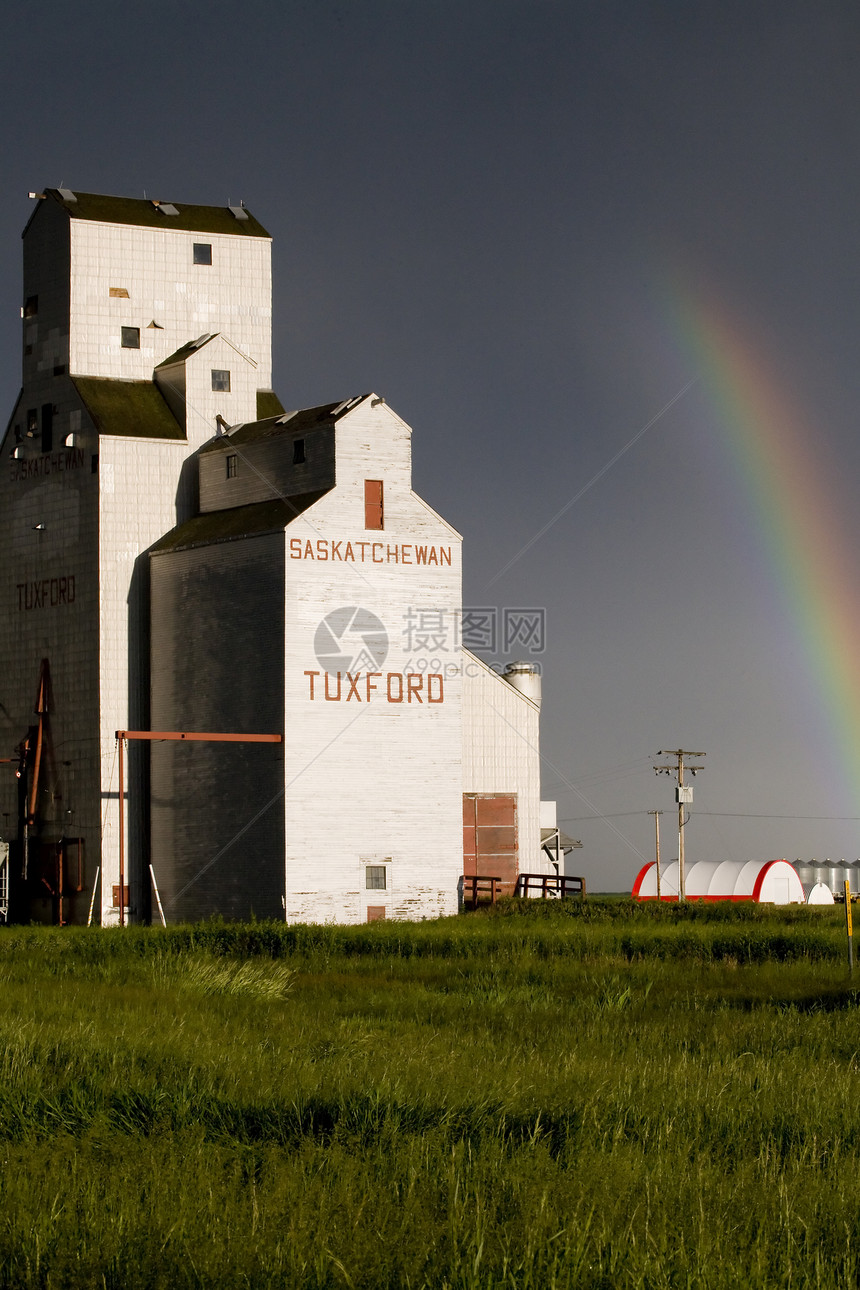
(291, 423)
(141, 211)
(133, 409)
(268, 405)
(237, 522)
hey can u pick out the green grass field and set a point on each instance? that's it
(597, 1096)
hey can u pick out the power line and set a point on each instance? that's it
(750, 815)
(604, 815)
(733, 815)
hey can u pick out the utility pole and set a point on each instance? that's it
(657, 815)
(683, 795)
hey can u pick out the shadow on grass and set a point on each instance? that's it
(838, 998)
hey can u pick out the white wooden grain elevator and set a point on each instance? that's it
(182, 554)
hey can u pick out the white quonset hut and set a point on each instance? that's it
(181, 554)
(768, 882)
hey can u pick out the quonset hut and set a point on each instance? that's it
(181, 554)
(767, 882)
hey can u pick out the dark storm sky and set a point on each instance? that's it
(487, 212)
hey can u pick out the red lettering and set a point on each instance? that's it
(343, 550)
(395, 676)
(414, 683)
(434, 676)
(371, 689)
(311, 676)
(353, 687)
(332, 698)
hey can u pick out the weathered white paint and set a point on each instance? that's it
(501, 751)
(369, 780)
(366, 780)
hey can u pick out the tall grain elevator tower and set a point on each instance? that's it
(142, 322)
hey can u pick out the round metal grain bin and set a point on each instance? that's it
(806, 874)
(524, 677)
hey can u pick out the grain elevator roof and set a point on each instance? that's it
(129, 408)
(289, 422)
(105, 209)
(238, 522)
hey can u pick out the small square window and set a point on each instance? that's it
(298, 452)
(220, 381)
(31, 307)
(131, 338)
(375, 877)
(202, 252)
(232, 466)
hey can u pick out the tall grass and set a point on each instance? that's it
(548, 1097)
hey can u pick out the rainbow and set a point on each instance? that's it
(776, 457)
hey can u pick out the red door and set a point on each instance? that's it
(490, 837)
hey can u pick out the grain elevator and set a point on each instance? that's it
(182, 554)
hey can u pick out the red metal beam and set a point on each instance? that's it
(204, 737)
